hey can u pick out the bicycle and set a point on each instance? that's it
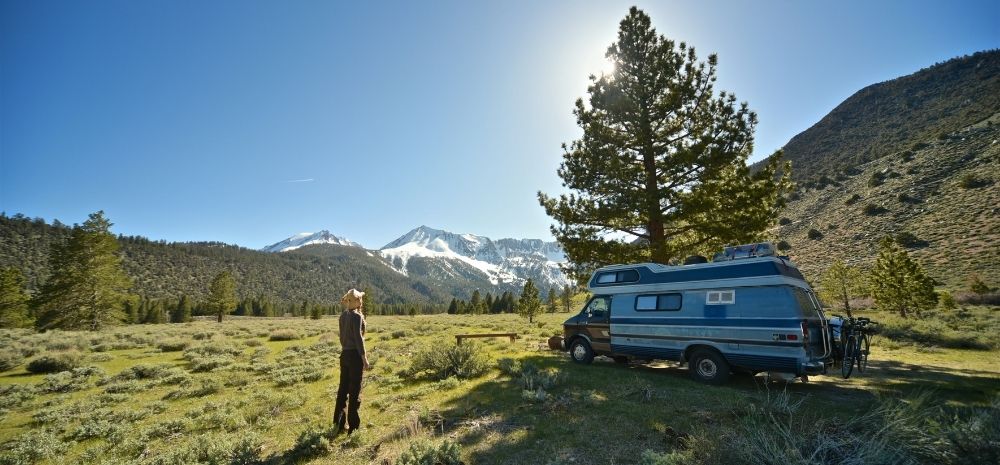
(857, 335)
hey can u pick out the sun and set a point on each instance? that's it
(607, 67)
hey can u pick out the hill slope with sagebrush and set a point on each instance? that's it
(167, 270)
(940, 199)
(888, 117)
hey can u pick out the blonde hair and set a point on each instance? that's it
(352, 299)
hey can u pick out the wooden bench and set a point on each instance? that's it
(459, 337)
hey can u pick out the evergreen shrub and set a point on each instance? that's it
(55, 362)
(872, 210)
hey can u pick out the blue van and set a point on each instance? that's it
(746, 311)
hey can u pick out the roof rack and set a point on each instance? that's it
(739, 252)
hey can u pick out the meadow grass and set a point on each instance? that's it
(206, 392)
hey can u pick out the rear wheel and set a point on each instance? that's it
(709, 367)
(580, 351)
(850, 355)
(865, 343)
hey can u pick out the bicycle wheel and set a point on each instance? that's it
(865, 344)
(850, 348)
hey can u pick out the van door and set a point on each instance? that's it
(598, 323)
(818, 345)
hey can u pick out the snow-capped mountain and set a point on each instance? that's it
(303, 239)
(442, 256)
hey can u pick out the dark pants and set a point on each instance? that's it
(349, 392)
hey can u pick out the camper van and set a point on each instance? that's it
(747, 310)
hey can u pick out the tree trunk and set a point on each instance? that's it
(220, 317)
(657, 241)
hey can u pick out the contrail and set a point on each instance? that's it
(301, 180)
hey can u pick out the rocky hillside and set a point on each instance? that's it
(885, 118)
(940, 196)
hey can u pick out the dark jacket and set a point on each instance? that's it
(352, 332)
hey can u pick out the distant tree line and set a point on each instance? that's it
(162, 270)
(507, 303)
(83, 281)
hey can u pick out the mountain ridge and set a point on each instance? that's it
(464, 260)
(870, 124)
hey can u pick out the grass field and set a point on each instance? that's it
(261, 390)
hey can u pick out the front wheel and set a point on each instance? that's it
(850, 355)
(580, 351)
(709, 367)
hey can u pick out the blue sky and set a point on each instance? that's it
(190, 120)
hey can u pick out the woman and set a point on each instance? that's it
(353, 359)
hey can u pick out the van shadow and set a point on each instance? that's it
(610, 413)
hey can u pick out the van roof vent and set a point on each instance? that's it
(738, 252)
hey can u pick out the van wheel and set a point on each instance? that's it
(580, 351)
(709, 367)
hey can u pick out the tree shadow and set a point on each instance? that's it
(610, 413)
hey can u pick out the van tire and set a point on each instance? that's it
(709, 367)
(581, 352)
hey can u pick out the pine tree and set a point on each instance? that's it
(840, 283)
(13, 299)
(88, 288)
(508, 302)
(475, 303)
(550, 303)
(498, 303)
(566, 298)
(662, 160)
(132, 310)
(899, 283)
(488, 303)
(371, 306)
(529, 305)
(222, 294)
(182, 313)
(156, 315)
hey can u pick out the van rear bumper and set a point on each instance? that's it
(816, 367)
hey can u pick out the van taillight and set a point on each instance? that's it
(805, 333)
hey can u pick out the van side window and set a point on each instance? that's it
(726, 297)
(658, 302)
(614, 277)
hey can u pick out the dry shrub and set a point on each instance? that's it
(284, 334)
